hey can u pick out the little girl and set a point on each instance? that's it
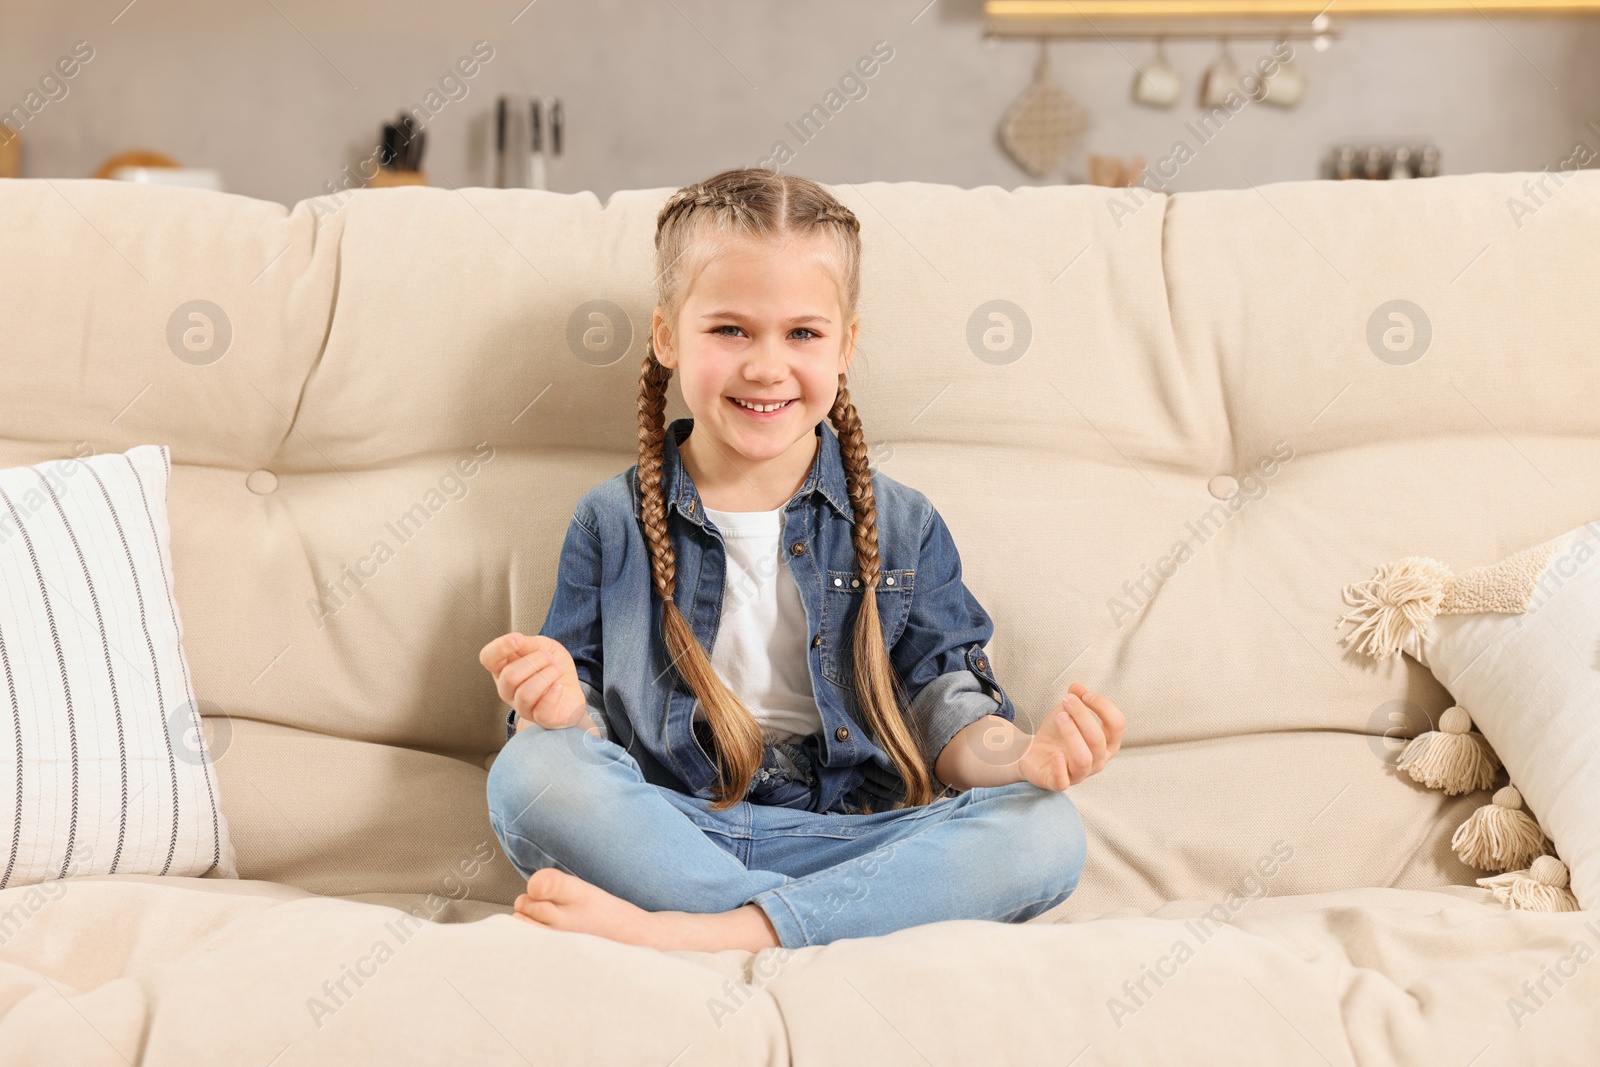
(788, 731)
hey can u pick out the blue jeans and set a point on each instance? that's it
(567, 799)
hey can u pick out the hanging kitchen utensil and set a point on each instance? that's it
(1043, 125)
(1221, 80)
(1285, 86)
(1158, 83)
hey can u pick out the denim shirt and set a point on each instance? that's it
(606, 612)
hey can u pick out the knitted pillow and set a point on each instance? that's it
(1518, 644)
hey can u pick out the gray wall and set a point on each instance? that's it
(282, 95)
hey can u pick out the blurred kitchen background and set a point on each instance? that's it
(287, 99)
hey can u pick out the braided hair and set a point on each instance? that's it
(690, 228)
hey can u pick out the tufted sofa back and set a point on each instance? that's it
(1165, 432)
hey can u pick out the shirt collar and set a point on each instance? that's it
(827, 472)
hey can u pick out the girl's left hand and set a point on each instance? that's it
(1076, 740)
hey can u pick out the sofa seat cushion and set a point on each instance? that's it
(239, 971)
(165, 970)
(1368, 976)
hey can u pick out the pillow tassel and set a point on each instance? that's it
(1543, 887)
(1399, 602)
(1450, 758)
(1500, 836)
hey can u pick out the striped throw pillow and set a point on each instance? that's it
(103, 766)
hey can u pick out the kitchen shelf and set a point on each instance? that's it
(1266, 19)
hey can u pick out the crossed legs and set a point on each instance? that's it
(608, 853)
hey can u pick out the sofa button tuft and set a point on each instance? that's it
(261, 482)
(1223, 486)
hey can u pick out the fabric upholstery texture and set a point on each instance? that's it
(1184, 446)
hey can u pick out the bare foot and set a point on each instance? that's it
(564, 901)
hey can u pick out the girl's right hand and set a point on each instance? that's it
(536, 676)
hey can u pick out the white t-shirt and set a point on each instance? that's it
(761, 649)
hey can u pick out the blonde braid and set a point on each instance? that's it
(840, 214)
(653, 379)
(736, 736)
(880, 691)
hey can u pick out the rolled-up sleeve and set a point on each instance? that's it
(940, 656)
(574, 615)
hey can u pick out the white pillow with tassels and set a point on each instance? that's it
(1517, 644)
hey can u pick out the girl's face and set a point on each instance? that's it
(762, 323)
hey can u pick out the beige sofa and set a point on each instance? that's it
(1262, 885)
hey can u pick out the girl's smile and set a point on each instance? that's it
(758, 351)
(762, 410)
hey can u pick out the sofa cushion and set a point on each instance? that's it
(137, 969)
(101, 747)
(1359, 976)
(361, 817)
(180, 970)
(1515, 643)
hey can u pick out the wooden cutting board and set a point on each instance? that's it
(10, 154)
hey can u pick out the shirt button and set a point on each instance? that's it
(842, 733)
(815, 641)
(798, 548)
(983, 664)
(889, 581)
(838, 581)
